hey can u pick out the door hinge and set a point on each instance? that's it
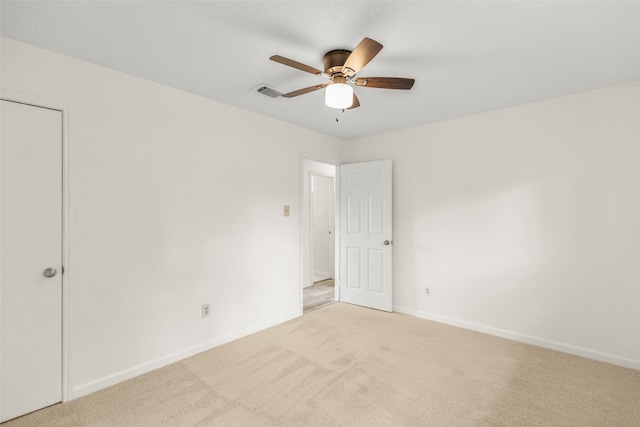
(62, 269)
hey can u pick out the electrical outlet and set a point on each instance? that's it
(205, 310)
(427, 292)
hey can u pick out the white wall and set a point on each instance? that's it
(174, 206)
(310, 166)
(524, 222)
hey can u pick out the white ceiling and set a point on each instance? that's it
(466, 57)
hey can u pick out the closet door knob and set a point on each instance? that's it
(49, 272)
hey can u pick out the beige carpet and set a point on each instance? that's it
(344, 365)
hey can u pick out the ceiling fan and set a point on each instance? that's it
(341, 66)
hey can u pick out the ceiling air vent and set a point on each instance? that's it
(268, 91)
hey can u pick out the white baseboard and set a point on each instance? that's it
(99, 384)
(515, 336)
(322, 274)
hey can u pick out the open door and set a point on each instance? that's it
(366, 234)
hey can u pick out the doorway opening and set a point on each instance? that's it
(362, 238)
(318, 234)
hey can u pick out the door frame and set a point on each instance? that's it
(336, 225)
(311, 217)
(67, 223)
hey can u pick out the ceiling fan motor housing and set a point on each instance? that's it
(334, 60)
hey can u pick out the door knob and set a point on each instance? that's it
(49, 272)
(387, 242)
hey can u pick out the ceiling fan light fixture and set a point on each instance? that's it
(342, 66)
(338, 95)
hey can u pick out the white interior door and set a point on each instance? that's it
(366, 234)
(31, 242)
(322, 226)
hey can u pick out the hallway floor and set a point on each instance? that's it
(318, 295)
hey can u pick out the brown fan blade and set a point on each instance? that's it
(366, 50)
(385, 82)
(295, 64)
(305, 90)
(356, 103)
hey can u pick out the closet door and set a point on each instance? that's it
(30, 258)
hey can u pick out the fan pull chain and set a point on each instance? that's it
(338, 115)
